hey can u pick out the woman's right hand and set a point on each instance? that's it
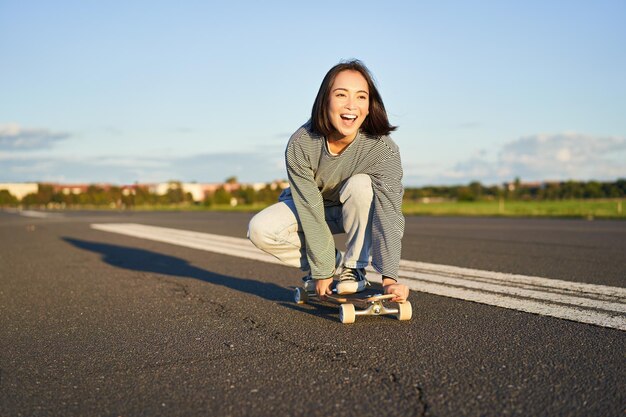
(323, 287)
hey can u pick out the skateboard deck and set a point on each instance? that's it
(369, 303)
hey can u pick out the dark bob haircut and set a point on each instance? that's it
(376, 123)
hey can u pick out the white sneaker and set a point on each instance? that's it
(352, 280)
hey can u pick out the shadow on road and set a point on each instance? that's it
(148, 261)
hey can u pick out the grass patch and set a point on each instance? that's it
(608, 208)
(587, 209)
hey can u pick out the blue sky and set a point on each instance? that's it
(125, 91)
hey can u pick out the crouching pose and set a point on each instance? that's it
(345, 177)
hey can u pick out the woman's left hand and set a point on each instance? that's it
(400, 291)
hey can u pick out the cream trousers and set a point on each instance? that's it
(277, 229)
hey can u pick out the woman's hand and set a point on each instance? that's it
(323, 287)
(400, 291)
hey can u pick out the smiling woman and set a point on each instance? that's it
(345, 177)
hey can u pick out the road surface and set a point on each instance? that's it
(123, 314)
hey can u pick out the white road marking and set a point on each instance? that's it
(600, 305)
(32, 213)
(37, 214)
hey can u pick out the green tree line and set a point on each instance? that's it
(475, 191)
(565, 190)
(119, 197)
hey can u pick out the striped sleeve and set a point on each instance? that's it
(388, 220)
(320, 246)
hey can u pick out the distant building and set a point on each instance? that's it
(20, 190)
(279, 184)
(257, 186)
(198, 191)
(512, 186)
(68, 189)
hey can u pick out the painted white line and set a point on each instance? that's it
(573, 313)
(37, 214)
(600, 305)
(223, 245)
(514, 279)
(581, 300)
(32, 213)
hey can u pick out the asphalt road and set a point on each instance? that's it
(96, 323)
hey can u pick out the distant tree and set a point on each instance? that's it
(208, 201)
(621, 186)
(115, 195)
(609, 190)
(551, 191)
(593, 189)
(7, 199)
(476, 189)
(572, 189)
(96, 196)
(465, 194)
(42, 197)
(493, 192)
(246, 195)
(221, 196)
(143, 196)
(512, 189)
(268, 195)
(70, 199)
(415, 194)
(174, 196)
(29, 199)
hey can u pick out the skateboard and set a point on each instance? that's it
(368, 304)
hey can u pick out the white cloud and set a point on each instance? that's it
(538, 157)
(564, 156)
(14, 137)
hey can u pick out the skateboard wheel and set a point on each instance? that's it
(300, 296)
(347, 313)
(405, 311)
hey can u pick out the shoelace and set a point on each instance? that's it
(349, 274)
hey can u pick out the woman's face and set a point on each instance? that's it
(348, 104)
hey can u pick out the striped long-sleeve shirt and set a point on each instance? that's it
(315, 178)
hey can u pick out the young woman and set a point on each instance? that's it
(345, 177)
